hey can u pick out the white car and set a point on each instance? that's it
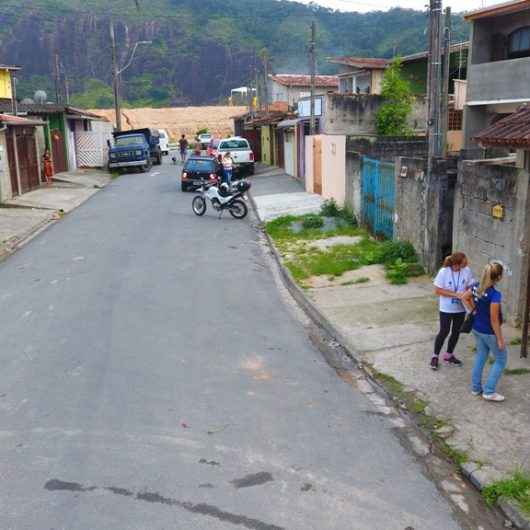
(164, 141)
(241, 154)
(204, 139)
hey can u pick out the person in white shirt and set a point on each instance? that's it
(451, 283)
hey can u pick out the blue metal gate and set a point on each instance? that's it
(378, 196)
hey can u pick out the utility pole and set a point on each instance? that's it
(57, 75)
(435, 71)
(14, 81)
(67, 89)
(265, 59)
(258, 91)
(312, 70)
(115, 79)
(444, 112)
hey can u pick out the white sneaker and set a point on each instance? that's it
(493, 397)
(475, 393)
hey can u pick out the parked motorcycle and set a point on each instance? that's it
(222, 197)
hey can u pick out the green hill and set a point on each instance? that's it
(200, 49)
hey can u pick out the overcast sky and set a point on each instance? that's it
(371, 5)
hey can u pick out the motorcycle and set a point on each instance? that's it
(222, 197)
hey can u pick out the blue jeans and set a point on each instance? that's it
(485, 345)
(227, 176)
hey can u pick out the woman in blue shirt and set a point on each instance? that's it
(487, 328)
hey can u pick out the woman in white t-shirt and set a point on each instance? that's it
(452, 282)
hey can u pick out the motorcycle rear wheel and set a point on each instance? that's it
(199, 205)
(238, 209)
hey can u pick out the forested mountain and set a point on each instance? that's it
(201, 48)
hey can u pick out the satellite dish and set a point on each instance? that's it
(27, 101)
(40, 96)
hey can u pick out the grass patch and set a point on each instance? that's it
(279, 230)
(391, 384)
(330, 209)
(516, 342)
(516, 488)
(457, 456)
(312, 221)
(517, 371)
(417, 407)
(357, 281)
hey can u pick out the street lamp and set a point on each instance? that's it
(116, 72)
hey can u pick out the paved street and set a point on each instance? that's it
(153, 376)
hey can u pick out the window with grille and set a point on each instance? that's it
(455, 119)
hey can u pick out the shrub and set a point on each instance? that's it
(311, 221)
(391, 251)
(391, 119)
(329, 208)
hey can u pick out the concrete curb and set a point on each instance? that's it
(26, 237)
(478, 475)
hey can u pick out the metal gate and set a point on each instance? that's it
(378, 196)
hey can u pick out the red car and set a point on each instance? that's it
(212, 147)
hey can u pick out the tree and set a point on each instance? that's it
(391, 118)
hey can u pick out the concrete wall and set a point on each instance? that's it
(356, 114)
(334, 168)
(424, 208)
(499, 80)
(308, 158)
(6, 192)
(484, 238)
(384, 149)
(485, 46)
(353, 182)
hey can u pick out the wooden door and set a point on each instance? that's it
(58, 151)
(280, 149)
(28, 163)
(317, 165)
(12, 162)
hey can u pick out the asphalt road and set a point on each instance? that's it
(154, 377)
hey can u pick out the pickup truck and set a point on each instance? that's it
(241, 154)
(139, 148)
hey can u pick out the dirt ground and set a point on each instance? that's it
(179, 120)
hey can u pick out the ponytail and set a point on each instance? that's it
(491, 275)
(457, 258)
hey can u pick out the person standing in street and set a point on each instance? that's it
(451, 283)
(486, 300)
(228, 167)
(183, 146)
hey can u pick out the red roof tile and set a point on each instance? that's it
(361, 62)
(9, 119)
(512, 131)
(322, 81)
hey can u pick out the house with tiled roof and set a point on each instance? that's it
(291, 87)
(499, 65)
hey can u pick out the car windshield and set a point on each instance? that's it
(234, 144)
(202, 166)
(162, 135)
(125, 141)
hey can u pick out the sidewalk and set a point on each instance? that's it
(23, 216)
(390, 329)
(276, 194)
